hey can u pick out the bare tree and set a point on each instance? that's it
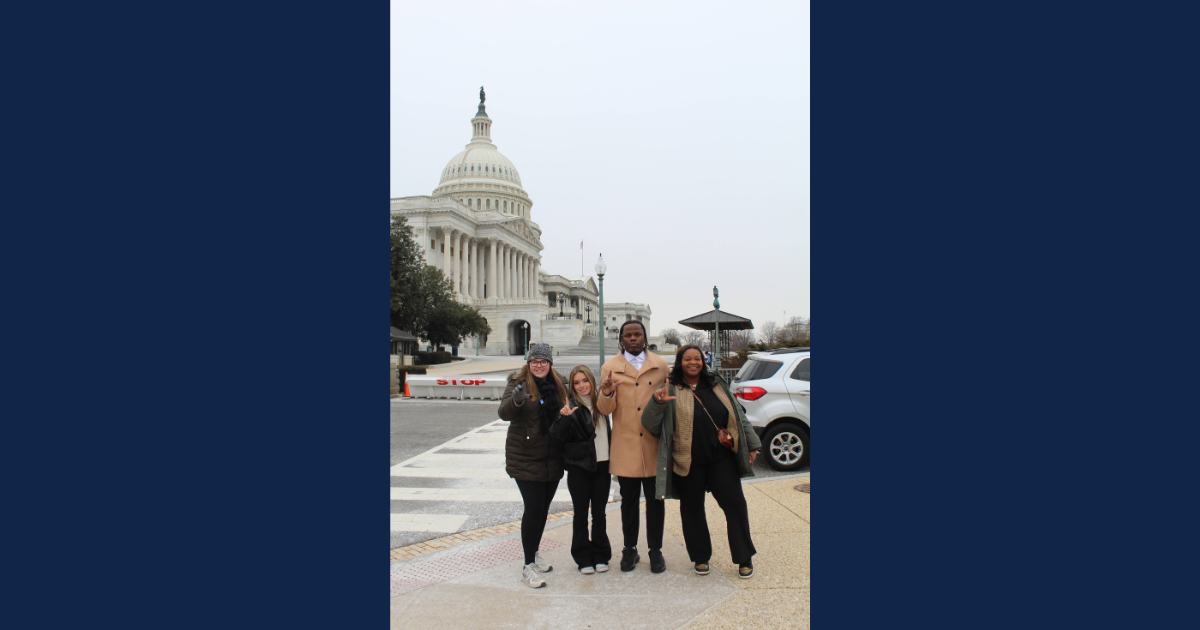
(768, 333)
(740, 339)
(796, 329)
(695, 338)
(670, 335)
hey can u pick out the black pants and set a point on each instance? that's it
(656, 512)
(537, 496)
(722, 480)
(589, 489)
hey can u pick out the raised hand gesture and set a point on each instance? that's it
(567, 409)
(661, 394)
(519, 395)
(608, 386)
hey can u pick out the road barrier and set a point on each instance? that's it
(456, 387)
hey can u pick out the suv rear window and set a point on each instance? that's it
(801, 371)
(756, 370)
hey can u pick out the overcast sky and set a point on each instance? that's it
(672, 137)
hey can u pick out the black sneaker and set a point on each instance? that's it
(629, 559)
(701, 568)
(657, 564)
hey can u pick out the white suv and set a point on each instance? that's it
(773, 388)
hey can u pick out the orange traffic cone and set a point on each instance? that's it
(406, 394)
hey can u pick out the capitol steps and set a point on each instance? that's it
(590, 347)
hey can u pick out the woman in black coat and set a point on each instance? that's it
(531, 404)
(586, 434)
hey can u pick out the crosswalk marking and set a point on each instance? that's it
(451, 473)
(428, 522)
(456, 494)
(471, 473)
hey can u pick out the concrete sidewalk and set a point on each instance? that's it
(477, 584)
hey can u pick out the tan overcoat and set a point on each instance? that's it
(634, 450)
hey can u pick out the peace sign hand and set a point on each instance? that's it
(661, 395)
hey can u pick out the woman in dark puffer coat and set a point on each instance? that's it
(531, 404)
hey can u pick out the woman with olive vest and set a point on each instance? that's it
(706, 444)
(531, 404)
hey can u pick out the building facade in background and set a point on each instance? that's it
(477, 227)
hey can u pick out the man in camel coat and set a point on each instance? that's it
(627, 381)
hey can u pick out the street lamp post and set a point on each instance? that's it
(717, 330)
(561, 300)
(588, 308)
(526, 341)
(600, 269)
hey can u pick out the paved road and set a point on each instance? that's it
(452, 478)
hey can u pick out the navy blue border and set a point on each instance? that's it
(1003, 223)
(197, 251)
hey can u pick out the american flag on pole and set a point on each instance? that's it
(580, 244)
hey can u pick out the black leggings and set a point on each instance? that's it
(537, 496)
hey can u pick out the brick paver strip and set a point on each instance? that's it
(456, 565)
(461, 538)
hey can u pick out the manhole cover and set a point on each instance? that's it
(803, 488)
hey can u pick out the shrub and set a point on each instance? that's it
(432, 358)
(411, 369)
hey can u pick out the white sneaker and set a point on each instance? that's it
(530, 577)
(542, 565)
(587, 570)
(601, 568)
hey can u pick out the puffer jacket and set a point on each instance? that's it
(578, 435)
(530, 454)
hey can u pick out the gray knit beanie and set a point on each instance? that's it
(541, 351)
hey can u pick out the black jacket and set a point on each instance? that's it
(578, 436)
(529, 452)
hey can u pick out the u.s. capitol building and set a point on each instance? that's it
(477, 227)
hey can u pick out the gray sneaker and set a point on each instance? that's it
(587, 570)
(530, 577)
(542, 565)
(601, 567)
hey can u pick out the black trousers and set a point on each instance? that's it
(589, 489)
(656, 512)
(537, 496)
(722, 480)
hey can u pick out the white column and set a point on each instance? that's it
(461, 267)
(447, 264)
(500, 253)
(520, 275)
(507, 269)
(473, 264)
(491, 277)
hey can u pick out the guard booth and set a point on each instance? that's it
(708, 323)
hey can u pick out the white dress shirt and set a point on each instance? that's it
(637, 361)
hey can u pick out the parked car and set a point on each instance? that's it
(773, 388)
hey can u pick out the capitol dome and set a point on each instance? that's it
(481, 178)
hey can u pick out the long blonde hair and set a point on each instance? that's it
(587, 373)
(531, 387)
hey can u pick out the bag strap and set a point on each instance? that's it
(710, 418)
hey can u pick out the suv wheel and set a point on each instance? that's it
(786, 446)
